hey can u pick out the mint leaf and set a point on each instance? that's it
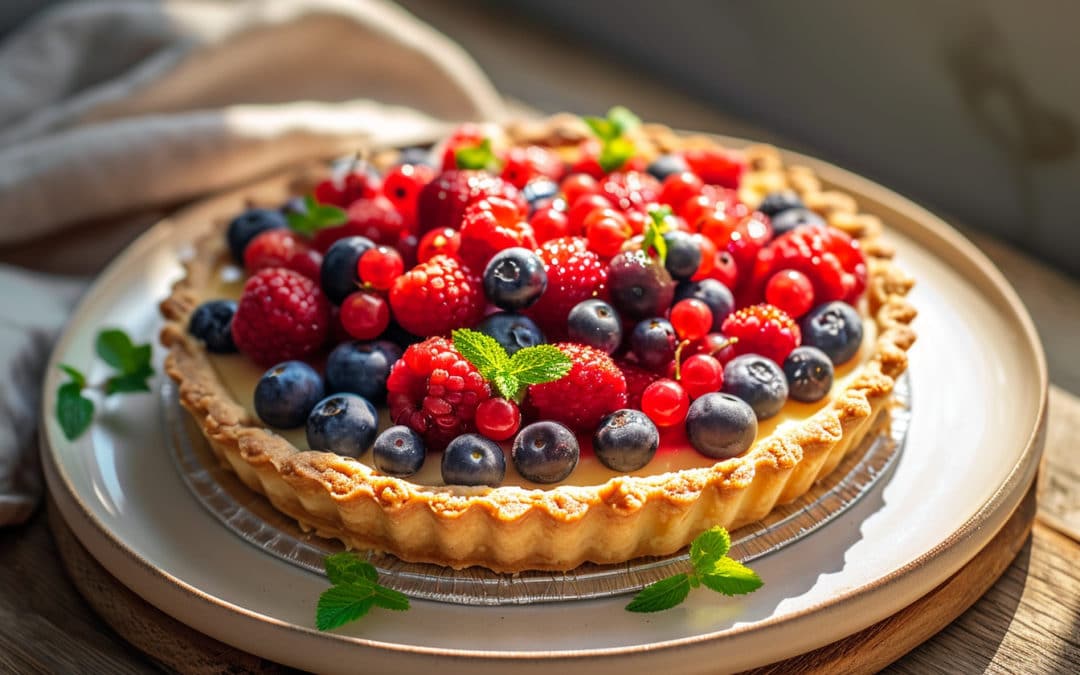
(615, 153)
(622, 119)
(74, 411)
(659, 223)
(663, 594)
(388, 598)
(125, 384)
(731, 577)
(709, 547)
(338, 605)
(539, 364)
(508, 386)
(477, 156)
(76, 375)
(316, 217)
(511, 375)
(114, 347)
(482, 351)
(603, 128)
(344, 568)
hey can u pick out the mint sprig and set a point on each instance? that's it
(510, 375)
(74, 410)
(355, 591)
(477, 157)
(315, 217)
(659, 224)
(615, 148)
(713, 569)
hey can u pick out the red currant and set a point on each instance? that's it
(637, 220)
(402, 186)
(665, 402)
(578, 185)
(581, 208)
(548, 224)
(691, 318)
(680, 187)
(349, 183)
(498, 418)
(701, 374)
(791, 291)
(521, 165)
(725, 270)
(708, 257)
(365, 315)
(380, 266)
(444, 240)
(607, 235)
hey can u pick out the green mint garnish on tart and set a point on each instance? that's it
(477, 157)
(713, 569)
(354, 592)
(656, 227)
(74, 411)
(315, 217)
(510, 375)
(615, 147)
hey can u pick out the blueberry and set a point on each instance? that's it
(683, 254)
(415, 156)
(397, 335)
(286, 394)
(471, 459)
(293, 205)
(539, 189)
(778, 201)
(399, 451)
(653, 343)
(626, 440)
(338, 276)
(545, 452)
(721, 426)
(245, 227)
(788, 220)
(514, 279)
(809, 374)
(512, 331)
(595, 323)
(665, 165)
(211, 322)
(344, 424)
(758, 381)
(640, 286)
(361, 368)
(713, 293)
(835, 328)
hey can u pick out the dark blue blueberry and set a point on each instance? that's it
(809, 374)
(595, 323)
(415, 156)
(758, 381)
(286, 394)
(471, 459)
(721, 426)
(640, 286)
(344, 424)
(626, 440)
(211, 322)
(514, 279)
(512, 331)
(835, 328)
(653, 343)
(399, 451)
(788, 220)
(545, 452)
(665, 165)
(245, 227)
(778, 201)
(714, 294)
(295, 205)
(338, 276)
(538, 189)
(361, 368)
(683, 254)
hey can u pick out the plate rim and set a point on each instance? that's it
(995, 510)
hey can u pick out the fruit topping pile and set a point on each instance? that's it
(510, 307)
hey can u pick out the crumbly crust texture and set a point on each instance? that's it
(510, 529)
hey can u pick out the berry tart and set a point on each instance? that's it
(565, 341)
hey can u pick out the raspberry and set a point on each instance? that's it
(763, 329)
(437, 296)
(402, 186)
(281, 248)
(574, 274)
(489, 226)
(350, 181)
(637, 380)
(434, 391)
(374, 218)
(443, 201)
(282, 315)
(594, 384)
(521, 165)
(830, 258)
(630, 190)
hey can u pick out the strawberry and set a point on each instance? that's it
(594, 384)
(437, 296)
(763, 329)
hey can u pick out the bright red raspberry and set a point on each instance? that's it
(691, 318)
(380, 267)
(498, 419)
(350, 181)
(522, 165)
(665, 402)
(637, 379)
(402, 186)
(282, 248)
(443, 201)
(436, 297)
(831, 259)
(549, 223)
(630, 190)
(489, 226)
(364, 315)
(435, 391)
(282, 315)
(594, 385)
(716, 166)
(574, 274)
(701, 374)
(791, 291)
(444, 240)
(763, 329)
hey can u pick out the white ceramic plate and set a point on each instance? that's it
(978, 392)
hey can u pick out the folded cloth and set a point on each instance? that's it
(115, 107)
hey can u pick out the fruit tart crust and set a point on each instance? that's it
(510, 529)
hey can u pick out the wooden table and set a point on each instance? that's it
(1029, 621)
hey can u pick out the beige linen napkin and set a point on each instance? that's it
(109, 108)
